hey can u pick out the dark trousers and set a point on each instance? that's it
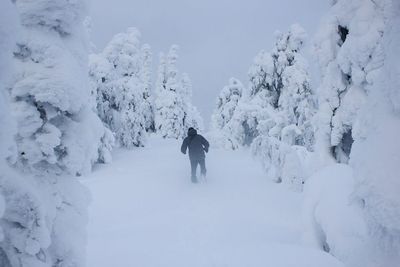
(193, 163)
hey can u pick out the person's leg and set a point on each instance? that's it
(193, 165)
(203, 169)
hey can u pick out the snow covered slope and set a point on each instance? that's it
(145, 212)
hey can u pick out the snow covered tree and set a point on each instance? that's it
(376, 150)
(278, 82)
(170, 112)
(174, 110)
(227, 102)
(57, 131)
(274, 114)
(286, 105)
(349, 57)
(121, 79)
(8, 21)
(358, 121)
(192, 115)
(146, 78)
(256, 102)
(56, 136)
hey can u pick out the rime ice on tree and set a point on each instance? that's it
(121, 80)
(174, 112)
(57, 137)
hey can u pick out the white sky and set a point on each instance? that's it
(218, 38)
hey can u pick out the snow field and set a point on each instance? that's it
(146, 212)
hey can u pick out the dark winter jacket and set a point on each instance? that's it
(196, 143)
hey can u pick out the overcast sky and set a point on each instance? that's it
(218, 38)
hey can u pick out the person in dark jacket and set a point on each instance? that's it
(197, 145)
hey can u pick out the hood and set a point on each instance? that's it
(192, 132)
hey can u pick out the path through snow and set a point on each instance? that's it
(145, 212)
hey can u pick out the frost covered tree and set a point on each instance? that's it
(56, 136)
(192, 116)
(275, 113)
(227, 102)
(174, 111)
(376, 149)
(349, 57)
(8, 20)
(278, 96)
(358, 47)
(57, 131)
(146, 78)
(121, 80)
(169, 105)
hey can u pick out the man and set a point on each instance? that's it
(197, 144)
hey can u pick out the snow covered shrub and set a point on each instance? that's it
(121, 81)
(174, 112)
(281, 91)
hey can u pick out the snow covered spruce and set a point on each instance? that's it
(174, 112)
(57, 131)
(61, 114)
(352, 210)
(121, 84)
(57, 136)
(227, 102)
(346, 144)
(273, 115)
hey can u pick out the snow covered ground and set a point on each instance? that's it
(146, 212)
